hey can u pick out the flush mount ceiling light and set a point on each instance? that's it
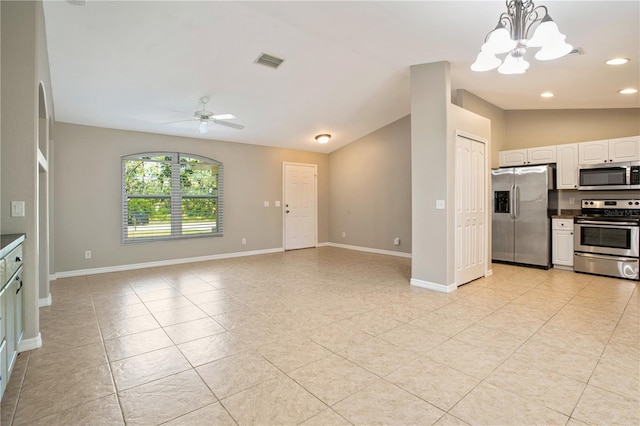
(617, 61)
(546, 95)
(511, 36)
(628, 91)
(324, 138)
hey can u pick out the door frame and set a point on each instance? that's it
(315, 190)
(487, 199)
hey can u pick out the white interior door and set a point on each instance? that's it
(470, 209)
(300, 222)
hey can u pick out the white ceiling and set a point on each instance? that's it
(136, 65)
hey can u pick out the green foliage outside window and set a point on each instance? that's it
(171, 195)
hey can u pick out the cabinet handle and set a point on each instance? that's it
(18, 259)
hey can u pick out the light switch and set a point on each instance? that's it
(17, 209)
(277, 203)
(266, 204)
(439, 204)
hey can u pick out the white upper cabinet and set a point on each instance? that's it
(567, 166)
(593, 152)
(610, 151)
(521, 157)
(542, 155)
(513, 157)
(624, 149)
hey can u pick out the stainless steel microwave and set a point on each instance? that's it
(607, 176)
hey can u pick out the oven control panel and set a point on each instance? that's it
(612, 208)
(603, 204)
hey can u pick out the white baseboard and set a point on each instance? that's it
(433, 286)
(45, 302)
(30, 344)
(325, 244)
(369, 250)
(169, 262)
(563, 267)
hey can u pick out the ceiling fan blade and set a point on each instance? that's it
(180, 121)
(228, 124)
(223, 116)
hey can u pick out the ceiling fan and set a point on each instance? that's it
(204, 117)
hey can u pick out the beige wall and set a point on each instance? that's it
(498, 118)
(430, 97)
(88, 196)
(370, 190)
(531, 128)
(515, 129)
(24, 65)
(434, 123)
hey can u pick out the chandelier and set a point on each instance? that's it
(512, 35)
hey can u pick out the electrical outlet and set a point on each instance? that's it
(396, 241)
(344, 234)
(244, 241)
(87, 254)
(572, 200)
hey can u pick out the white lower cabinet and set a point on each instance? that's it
(11, 314)
(562, 245)
(3, 367)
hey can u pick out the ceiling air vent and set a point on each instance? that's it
(269, 61)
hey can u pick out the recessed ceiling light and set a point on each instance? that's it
(546, 94)
(628, 91)
(617, 61)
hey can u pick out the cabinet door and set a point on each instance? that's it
(18, 300)
(567, 167)
(513, 157)
(624, 149)
(542, 155)
(593, 152)
(9, 324)
(563, 248)
(4, 378)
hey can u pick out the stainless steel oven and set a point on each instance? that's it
(607, 238)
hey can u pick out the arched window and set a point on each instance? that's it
(170, 195)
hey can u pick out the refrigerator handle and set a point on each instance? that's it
(516, 201)
(511, 203)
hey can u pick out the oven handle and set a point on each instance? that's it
(602, 222)
(612, 257)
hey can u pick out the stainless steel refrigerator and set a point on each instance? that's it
(523, 201)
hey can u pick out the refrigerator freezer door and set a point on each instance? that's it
(532, 228)
(502, 233)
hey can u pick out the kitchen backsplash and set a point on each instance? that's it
(566, 196)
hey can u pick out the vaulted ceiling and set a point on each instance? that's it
(136, 65)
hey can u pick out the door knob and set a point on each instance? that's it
(286, 211)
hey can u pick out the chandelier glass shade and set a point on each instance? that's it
(524, 25)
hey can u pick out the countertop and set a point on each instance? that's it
(10, 241)
(566, 214)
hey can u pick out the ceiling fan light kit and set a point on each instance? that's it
(204, 117)
(511, 36)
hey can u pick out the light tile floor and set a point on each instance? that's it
(330, 336)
